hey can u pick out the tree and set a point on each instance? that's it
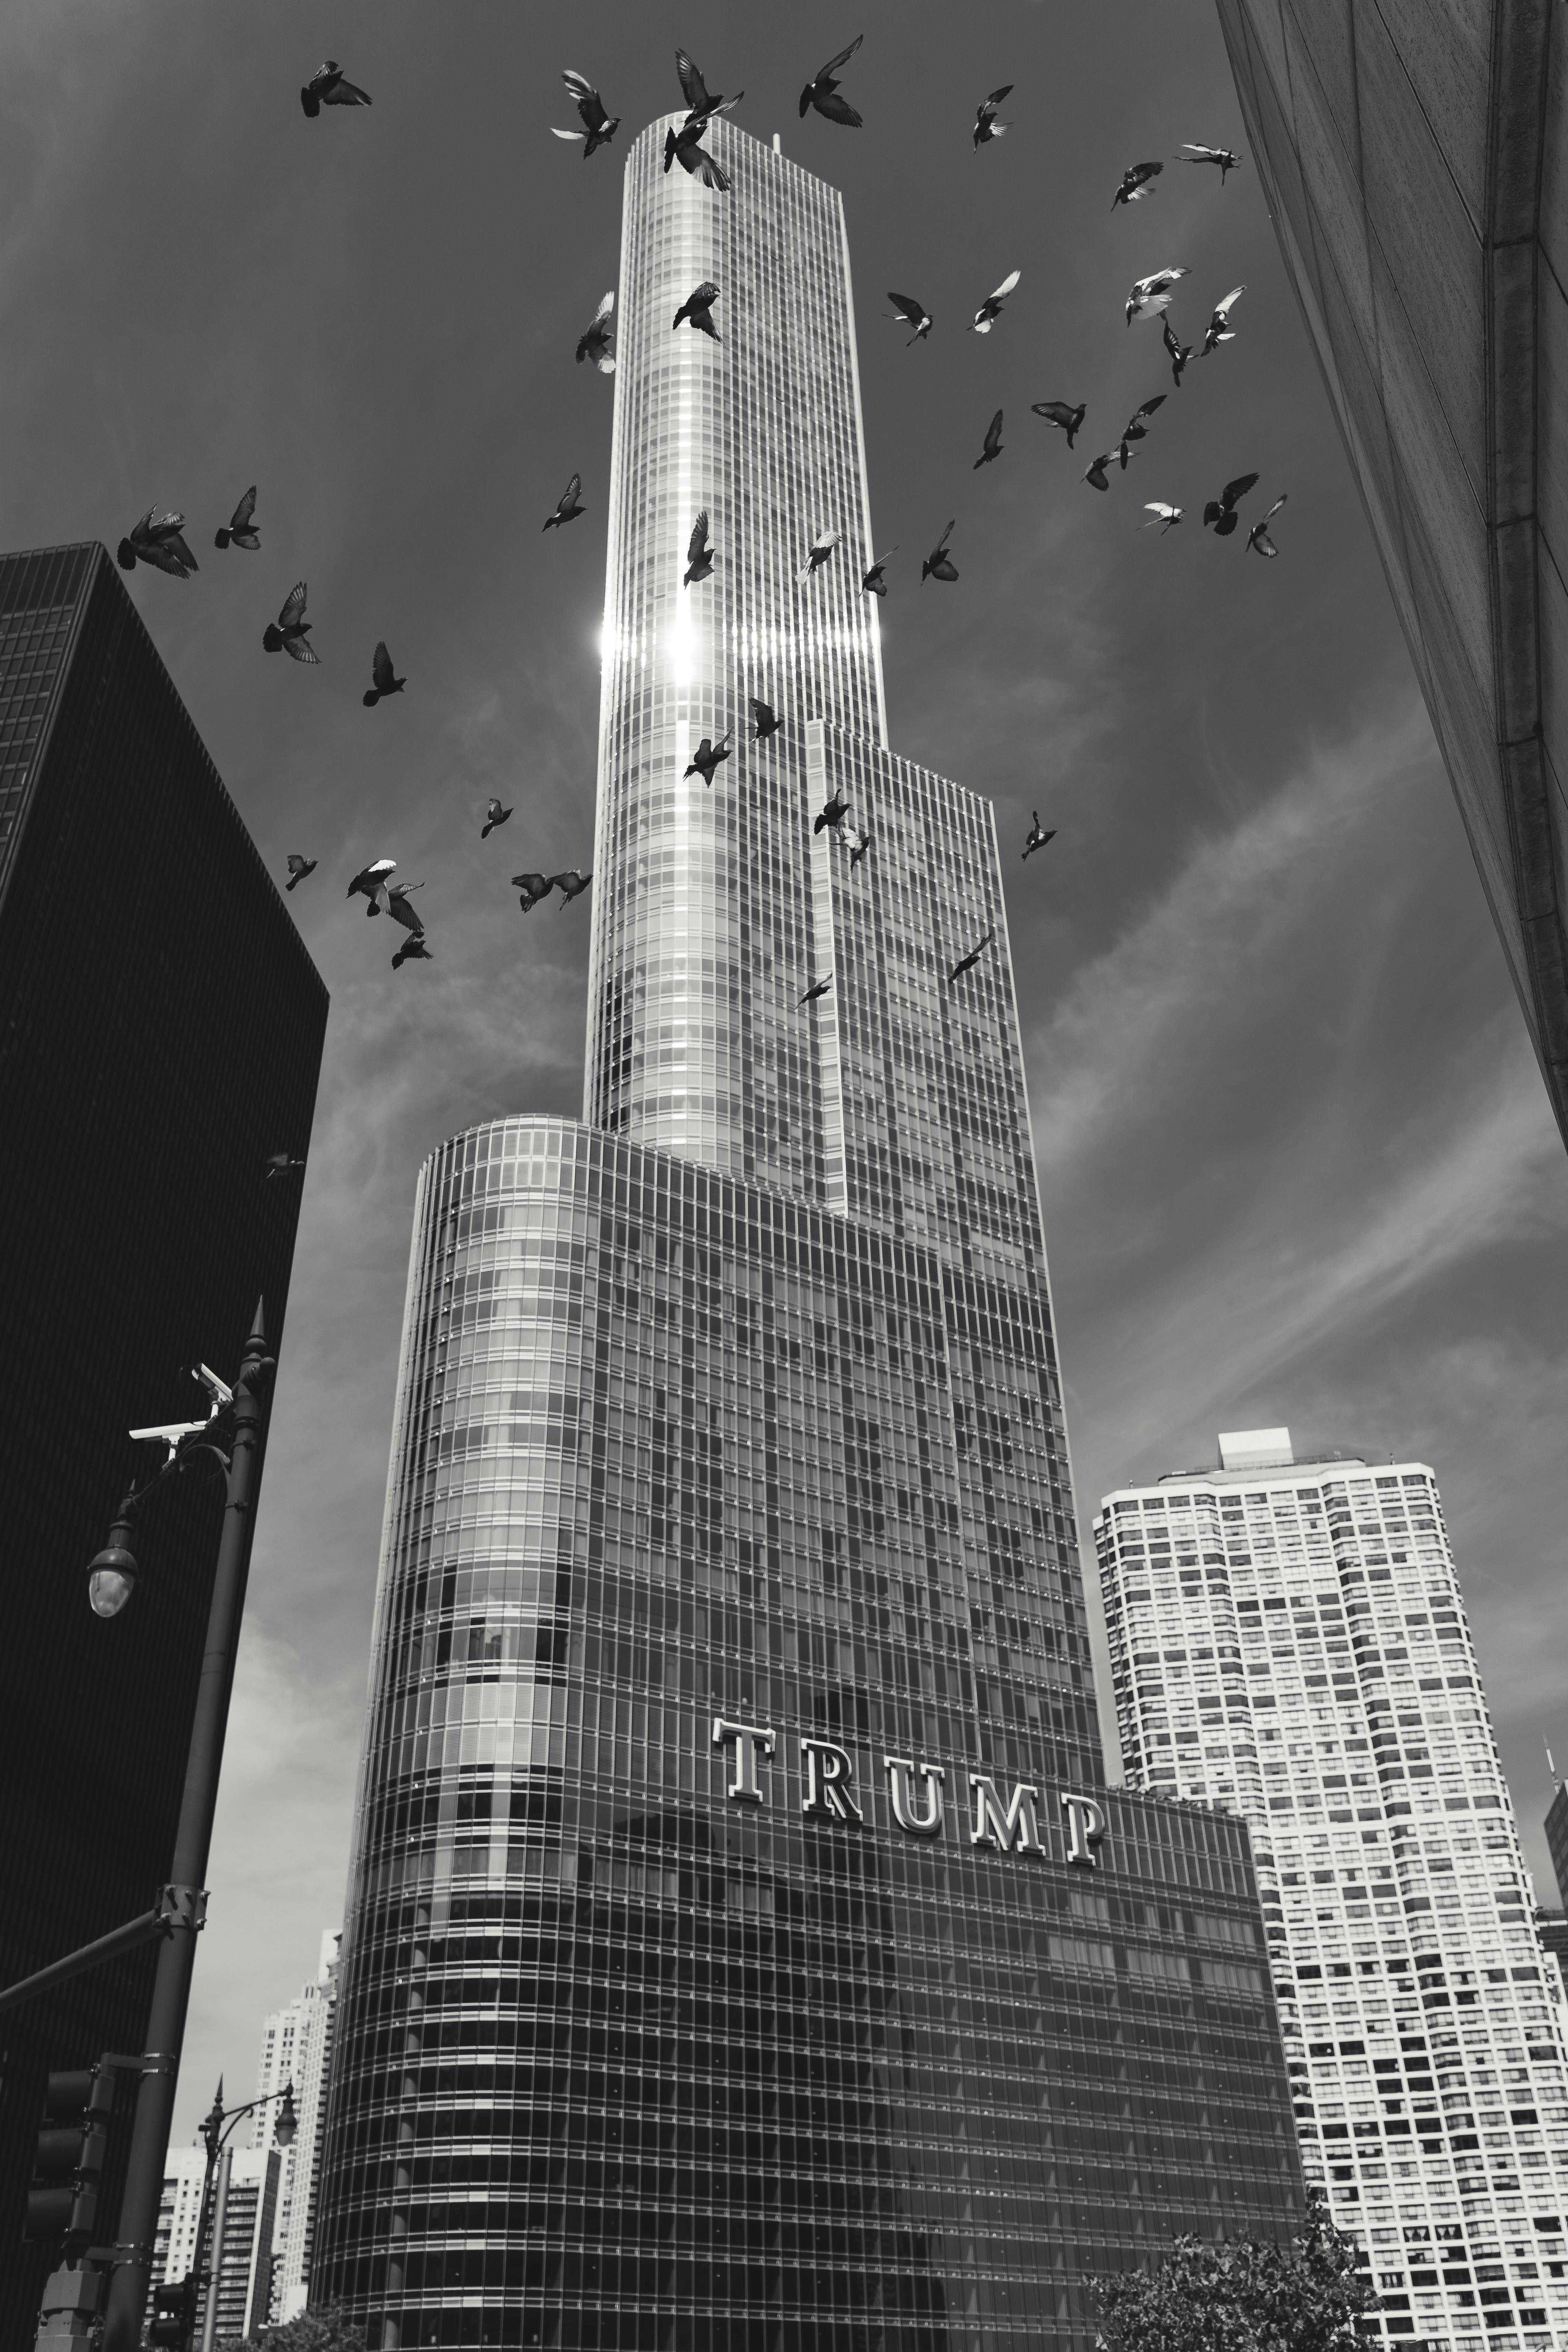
(313, 2331)
(1247, 2295)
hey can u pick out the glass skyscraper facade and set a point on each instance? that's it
(743, 1946)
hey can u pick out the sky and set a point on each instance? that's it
(1296, 1163)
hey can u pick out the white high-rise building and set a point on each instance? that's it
(1288, 1641)
(245, 2185)
(297, 2048)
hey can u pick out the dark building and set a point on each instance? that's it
(1557, 1840)
(743, 1947)
(1414, 163)
(161, 1031)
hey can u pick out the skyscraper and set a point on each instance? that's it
(1287, 1640)
(1413, 160)
(742, 1946)
(295, 2054)
(247, 2185)
(161, 1030)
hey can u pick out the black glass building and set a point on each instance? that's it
(161, 1031)
(743, 1947)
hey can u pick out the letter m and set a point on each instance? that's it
(1015, 1827)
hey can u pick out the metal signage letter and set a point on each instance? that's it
(992, 1826)
(747, 1737)
(1085, 1828)
(829, 1769)
(927, 1824)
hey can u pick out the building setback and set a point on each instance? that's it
(742, 1946)
(1289, 1642)
(161, 1030)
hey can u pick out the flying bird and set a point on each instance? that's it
(568, 506)
(595, 342)
(598, 127)
(298, 867)
(494, 814)
(281, 1164)
(157, 540)
(383, 681)
(874, 582)
(1038, 835)
(819, 988)
(1259, 539)
(699, 551)
(709, 757)
(684, 145)
(1180, 353)
(990, 310)
(571, 885)
(1058, 412)
(767, 721)
(1149, 295)
(1162, 513)
(993, 447)
(938, 565)
(239, 527)
(913, 314)
(534, 886)
(703, 105)
(833, 815)
(986, 126)
(1223, 156)
(1220, 511)
(327, 87)
(821, 90)
(822, 547)
(373, 883)
(1219, 328)
(1136, 184)
(968, 962)
(1096, 475)
(696, 311)
(416, 949)
(292, 628)
(859, 843)
(1136, 428)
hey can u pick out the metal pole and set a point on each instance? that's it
(127, 2300)
(214, 2265)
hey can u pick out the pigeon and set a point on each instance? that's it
(1219, 328)
(703, 105)
(913, 314)
(281, 1164)
(767, 721)
(986, 126)
(157, 539)
(327, 87)
(598, 128)
(239, 527)
(819, 988)
(990, 310)
(381, 672)
(595, 342)
(821, 90)
(416, 949)
(1258, 539)
(685, 147)
(372, 883)
(967, 963)
(568, 506)
(1135, 429)
(1038, 835)
(822, 547)
(833, 815)
(571, 885)
(398, 908)
(1096, 476)
(1220, 511)
(298, 867)
(699, 551)
(859, 843)
(1162, 513)
(1149, 295)
(696, 311)
(709, 757)
(1180, 353)
(1136, 184)
(938, 565)
(1223, 156)
(993, 444)
(494, 814)
(874, 582)
(292, 628)
(534, 886)
(1056, 411)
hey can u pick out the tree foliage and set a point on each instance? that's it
(313, 2331)
(1243, 2296)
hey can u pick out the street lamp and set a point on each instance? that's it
(216, 2126)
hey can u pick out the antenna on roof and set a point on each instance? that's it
(1550, 1765)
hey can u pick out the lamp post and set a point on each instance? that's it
(216, 2125)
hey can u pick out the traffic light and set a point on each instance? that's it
(174, 2314)
(62, 2197)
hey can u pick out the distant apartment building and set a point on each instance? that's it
(295, 2049)
(1288, 1641)
(246, 2188)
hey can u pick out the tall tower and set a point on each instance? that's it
(742, 1945)
(1287, 1640)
